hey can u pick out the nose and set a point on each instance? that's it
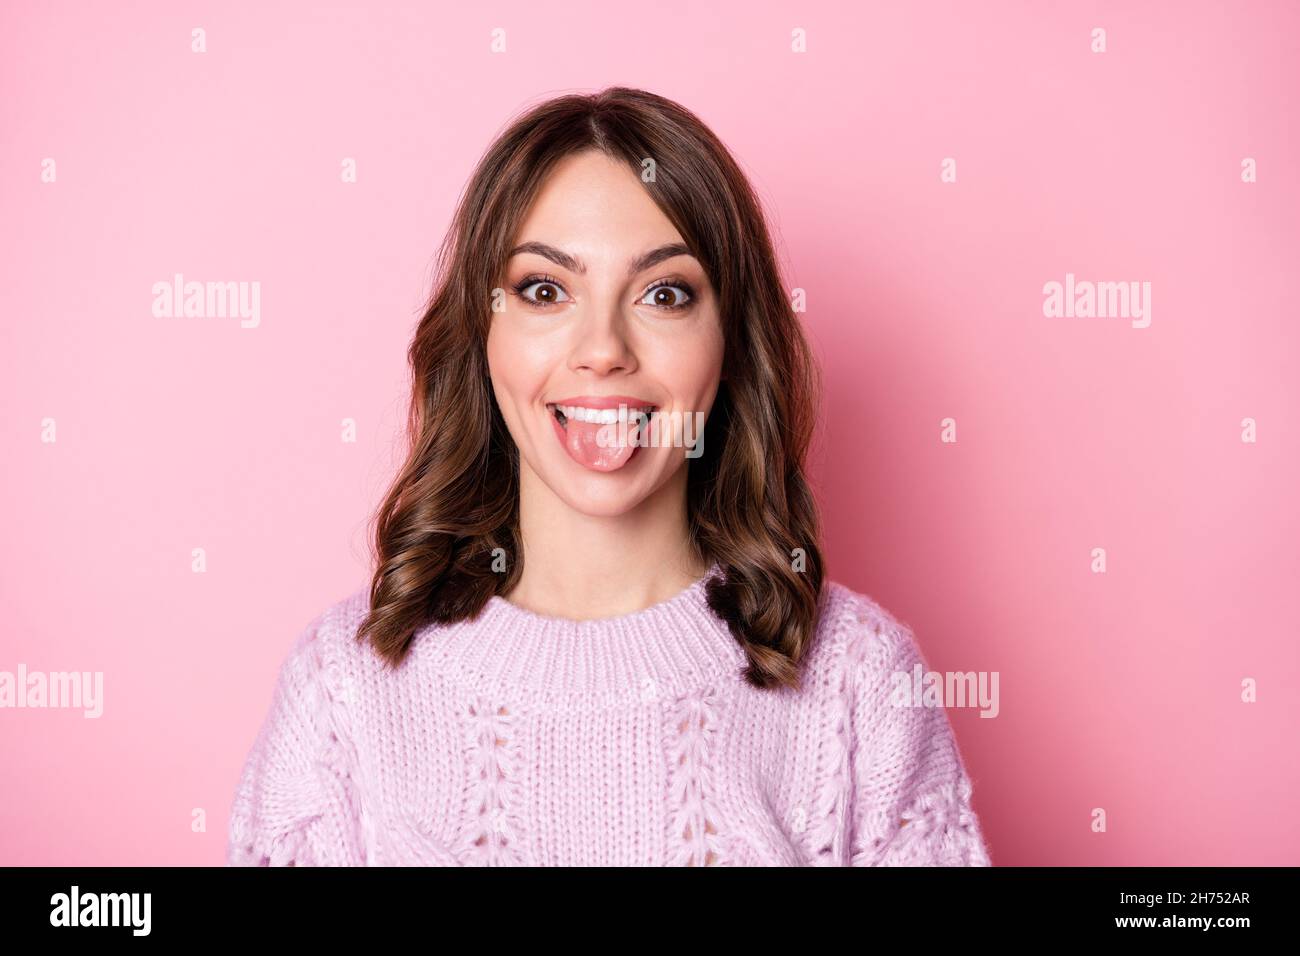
(601, 344)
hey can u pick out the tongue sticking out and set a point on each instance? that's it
(599, 447)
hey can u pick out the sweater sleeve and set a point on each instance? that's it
(295, 804)
(912, 793)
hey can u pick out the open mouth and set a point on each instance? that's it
(634, 416)
(600, 439)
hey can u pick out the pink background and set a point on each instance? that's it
(1118, 690)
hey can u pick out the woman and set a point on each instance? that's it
(597, 632)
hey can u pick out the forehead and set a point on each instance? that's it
(592, 201)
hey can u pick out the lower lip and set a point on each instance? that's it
(564, 446)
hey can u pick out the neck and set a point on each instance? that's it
(584, 566)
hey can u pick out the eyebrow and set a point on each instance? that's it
(574, 264)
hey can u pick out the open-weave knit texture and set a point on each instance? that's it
(517, 739)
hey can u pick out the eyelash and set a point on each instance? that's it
(544, 279)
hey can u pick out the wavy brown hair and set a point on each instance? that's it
(455, 500)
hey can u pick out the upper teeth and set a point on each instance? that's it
(603, 416)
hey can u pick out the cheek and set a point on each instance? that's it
(512, 365)
(693, 369)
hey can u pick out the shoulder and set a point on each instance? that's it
(337, 624)
(860, 642)
(911, 793)
(325, 647)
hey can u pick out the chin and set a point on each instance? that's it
(608, 494)
(601, 499)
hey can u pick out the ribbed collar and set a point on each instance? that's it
(669, 648)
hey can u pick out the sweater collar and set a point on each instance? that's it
(667, 649)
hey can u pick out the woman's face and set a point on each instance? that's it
(603, 306)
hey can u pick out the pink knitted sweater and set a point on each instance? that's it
(519, 739)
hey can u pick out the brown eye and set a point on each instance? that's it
(668, 296)
(541, 292)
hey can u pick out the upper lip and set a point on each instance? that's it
(604, 401)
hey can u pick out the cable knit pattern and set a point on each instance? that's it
(692, 837)
(517, 739)
(296, 803)
(493, 832)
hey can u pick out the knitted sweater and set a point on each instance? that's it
(521, 739)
